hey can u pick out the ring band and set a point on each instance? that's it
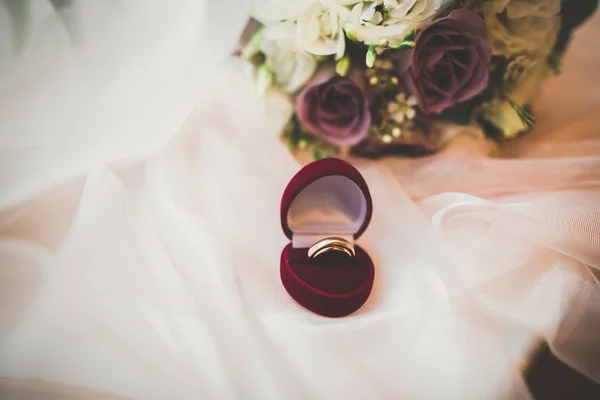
(331, 244)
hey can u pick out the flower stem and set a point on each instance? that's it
(253, 46)
(526, 118)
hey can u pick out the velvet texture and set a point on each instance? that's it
(332, 289)
(335, 286)
(317, 170)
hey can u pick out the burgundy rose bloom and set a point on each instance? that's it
(336, 110)
(450, 61)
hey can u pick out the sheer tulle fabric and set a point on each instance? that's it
(140, 234)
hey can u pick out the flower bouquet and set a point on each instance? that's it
(372, 78)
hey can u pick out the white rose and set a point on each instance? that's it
(291, 66)
(320, 28)
(371, 22)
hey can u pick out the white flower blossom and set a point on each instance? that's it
(291, 66)
(372, 22)
(320, 28)
(402, 109)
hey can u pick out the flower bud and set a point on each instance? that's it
(342, 66)
(371, 56)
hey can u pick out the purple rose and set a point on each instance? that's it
(450, 61)
(336, 110)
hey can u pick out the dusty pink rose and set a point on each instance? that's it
(450, 62)
(336, 110)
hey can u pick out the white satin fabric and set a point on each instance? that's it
(332, 206)
(140, 234)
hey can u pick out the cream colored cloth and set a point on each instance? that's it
(140, 233)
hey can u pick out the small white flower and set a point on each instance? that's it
(402, 109)
(291, 66)
(371, 22)
(320, 28)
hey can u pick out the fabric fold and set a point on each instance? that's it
(140, 233)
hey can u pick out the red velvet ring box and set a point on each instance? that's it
(327, 198)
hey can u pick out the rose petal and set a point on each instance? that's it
(481, 77)
(460, 58)
(450, 47)
(433, 58)
(435, 91)
(469, 22)
(454, 78)
(449, 62)
(334, 118)
(484, 51)
(438, 40)
(471, 63)
(335, 110)
(474, 59)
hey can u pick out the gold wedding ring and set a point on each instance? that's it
(331, 244)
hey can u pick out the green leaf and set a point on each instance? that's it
(404, 45)
(407, 42)
(319, 154)
(342, 66)
(295, 130)
(525, 116)
(297, 138)
(410, 35)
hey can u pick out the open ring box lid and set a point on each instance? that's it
(327, 198)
